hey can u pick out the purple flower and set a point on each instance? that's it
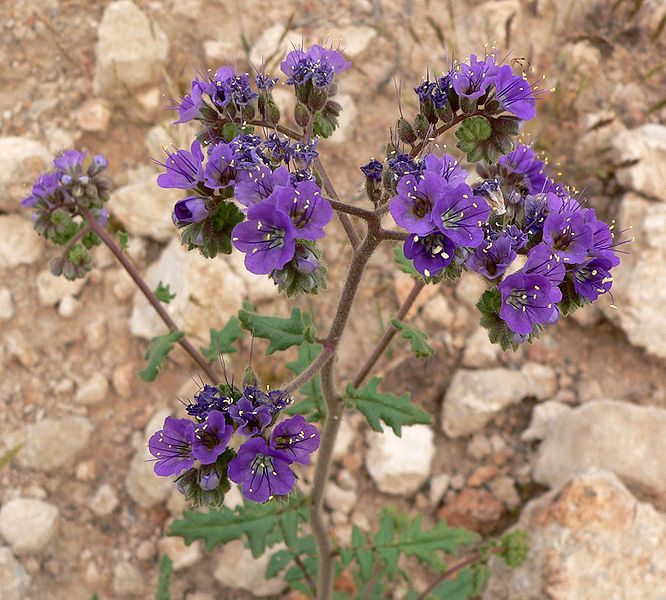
(568, 236)
(189, 210)
(534, 210)
(280, 149)
(431, 253)
(603, 239)
(172, 446)
(373, 170)
(300, 175)
(492, 258)
(305, 152)
(424, 90)
(518, 237)
(528, 300)
(190, 106)
(440, 95)
(238, 89)
(541, 260)
(403, 164)
(208, 477)
(523, 161)
(184, 170)
(264, 82)
(593, 278)
(447, 167)
(472, 81)
(305, 260)
(460, 215)
(44, 187)
(211, 438)
(412, 207)
(252, 418)
(257, 184)
(309, 211)
(220, 169)
(317, 64)
(267, 238)
(69, 160)
(247, 151)
(262, 471)
(297, 438)
(514, 93)
(207, 399)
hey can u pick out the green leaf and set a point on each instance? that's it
(471, 134)
(394, 411)
(163, 293)
(254, 521)
(420, 347)
(460, 588)
(221, 340)
(404, 263)
(158, 349)
(164, 581)
(281, 333)
(487, 138)
(312, 405)
(123, 239)
(278, 562)
(424, 545)
(384, 543)
(95, 596)
(364, 556)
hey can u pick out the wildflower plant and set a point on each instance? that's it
(253, 185)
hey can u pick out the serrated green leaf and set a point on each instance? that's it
(157, 351)
(278, 562)
(164, 580)
(163, 293)
(254, 521)
(394, 411)
(420, 347)
(404, 263)
(460, 588)
(423, 545)
(221, 340)
(384, 542)
(363, 555)
(472, 132)
(281, 333)
(312, 404)
(123, 239)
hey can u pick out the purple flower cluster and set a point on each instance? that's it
(318, 65)
(484, 82)
(199, 452)
(440, 211)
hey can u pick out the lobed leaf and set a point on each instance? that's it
(280, 332)
(164, 580)
(221, 340)
(163, 293)
(420, 347)
(157, 351)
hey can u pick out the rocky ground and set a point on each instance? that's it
(565, 437)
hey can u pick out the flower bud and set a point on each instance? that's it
(406, 132)
(317, 98)
(421, 125)
(302, 115)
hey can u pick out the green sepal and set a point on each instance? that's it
(394, 411)
(322, 126)
(420, 347)
(157, 351)
(221, 340)
(215, 231)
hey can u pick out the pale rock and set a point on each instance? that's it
(13, 579)
(544, 417)
(400, 465)
(143, 486)
(584, 56)
(589, 539)
(86, 470)
(403, 285)
(167, 136)
(541, 379)
(438, 310)
(208, 292)
(68, 307)
(143, 207)
(346, 120)
(152, 99)
(623, 438)
(131, 51)
(58, 139)
(177, 503)
(637, 289)
(647, 145)
(122, 379)
(285, 101)
(216, 51)
(504, 489)
(352, 40)
(438, 486)
(146, 550)
(344, 440)
(18, 347)
(95, 332)
(238, 569)
(21, 161)
(474, 397)
(19, 244)
(340, 500)
(479, 351)
(183, 556)
(28, 525)
(52, 289)
(6, 304)
(105, 500)
(274, 43)
(469, 289)
(53, 443)
(94, 115)
(479, 446)
(488, 23)
(601, 129)
(588, 315)
(94, 390)
(128, 580)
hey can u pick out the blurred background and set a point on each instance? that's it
(81, 511)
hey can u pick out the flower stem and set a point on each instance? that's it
(147, 292)
(390, 331)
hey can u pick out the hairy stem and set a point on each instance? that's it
(148, 293)
(390, 331)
